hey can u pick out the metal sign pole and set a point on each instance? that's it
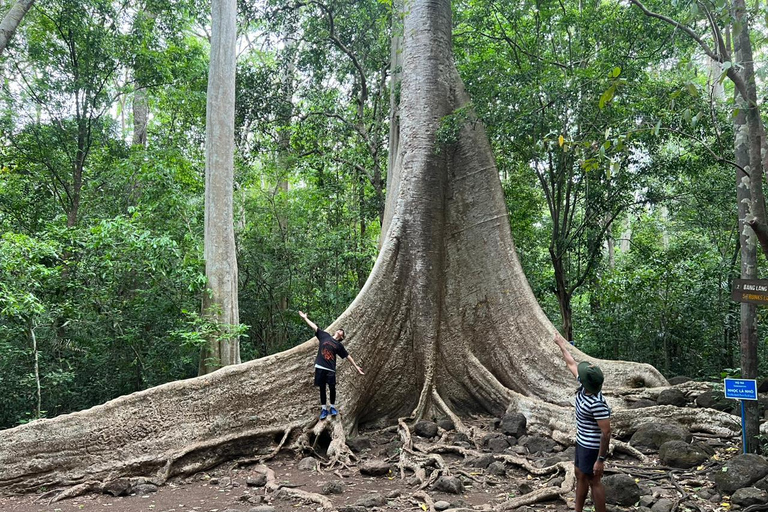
(743, 427)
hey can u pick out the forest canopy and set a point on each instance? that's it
(613, 135)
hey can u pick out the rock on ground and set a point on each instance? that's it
(742, 471)
(358, 444)
(426, 429)
(332, 487)
(375, 468)
(749, 496)
(672, 396)
(514, 424)
(307, 464)
(449, 484)
(372, 500)
(650, 436)
(621, 490)
(680, 454)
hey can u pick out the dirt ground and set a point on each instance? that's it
(225, 489)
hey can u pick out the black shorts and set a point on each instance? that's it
(323, 377)
(585, 459)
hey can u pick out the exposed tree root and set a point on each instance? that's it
(545, 493)
(78, 490)
(625, 422)
(426, 498)
(286, 434)
(338, 453)
(418, 462)
(458, 424)
(621, 446)
(281, 490)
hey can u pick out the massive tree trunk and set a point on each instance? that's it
(12, 20)
(220, 303)
(445, 322)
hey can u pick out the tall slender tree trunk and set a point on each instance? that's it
(220, 302)
(140, 116)
(751, 205)
(446, 323)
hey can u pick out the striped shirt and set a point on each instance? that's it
(589, 409)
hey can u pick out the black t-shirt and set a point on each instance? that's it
(327, 350)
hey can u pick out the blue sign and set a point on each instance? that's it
(741, 389)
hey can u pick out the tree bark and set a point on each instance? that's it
(220, 302)
(12, 20)
(751, 205)
(446, 323)
(140, 116)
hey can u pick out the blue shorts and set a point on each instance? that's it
(585, 459)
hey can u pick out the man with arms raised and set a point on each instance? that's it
(328, 348)
(593, 429)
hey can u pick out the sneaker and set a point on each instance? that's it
(323, 414)
(334, 412)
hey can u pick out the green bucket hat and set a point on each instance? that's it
(591, 377)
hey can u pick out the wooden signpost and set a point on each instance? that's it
(754, 291)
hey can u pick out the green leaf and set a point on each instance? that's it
(616, 72)
(607, 96)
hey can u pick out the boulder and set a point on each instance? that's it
(663, 505)
(371, 500)
(425, 428)
(749, 496)
(308, 464)
(498, 444)
(679, 379)
(332, 487)
(446, 424)
(642, 403)
(646, 501)
(621, 490)
(117, 487)
(257, 480)
(672, 396)
(536, 444)
(497, 468)
(144, 489)
(716, 400)
(650, 436)
(449, 484)
(680, 454)
(375, 468)
(359, 443)
(762, 387)
(442, 505)
(762, 483)
(741, 471)
(514, 424)
(483, 461)
(490, 436)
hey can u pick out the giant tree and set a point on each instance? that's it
(446, 323)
